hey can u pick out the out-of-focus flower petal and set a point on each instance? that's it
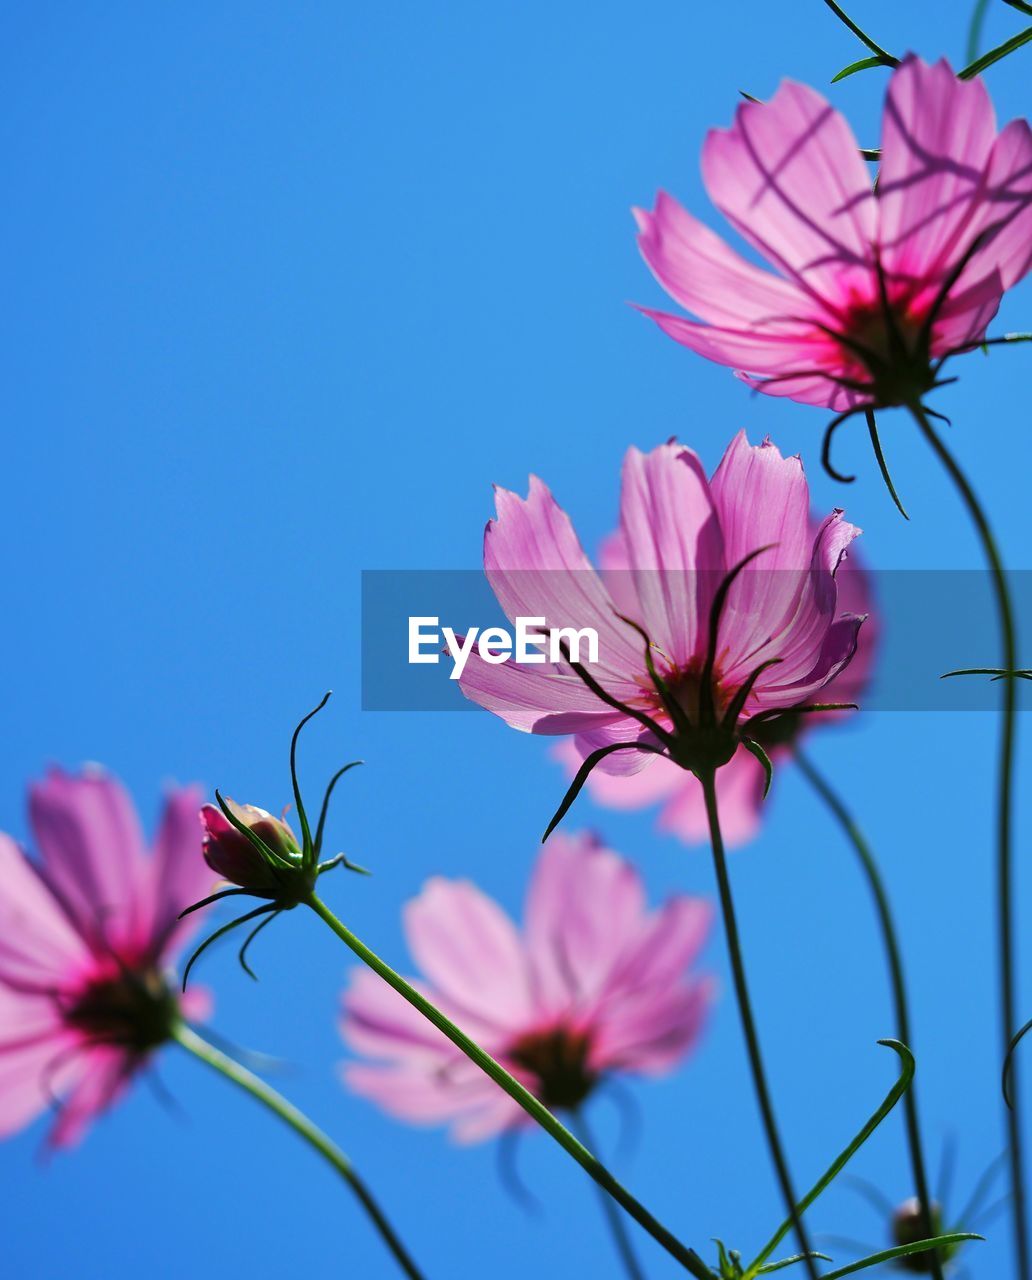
(89, 835)
(651, 1036)
(106, 1074)
(38, 943)
(470, 950)
(584, 906)
(178, 873)
(32, 1045)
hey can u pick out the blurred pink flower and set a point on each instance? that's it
(781, 638)
(86, 935)
(741, 781)
(595, 985)
(871, 288)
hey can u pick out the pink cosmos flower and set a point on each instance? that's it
(595, 985)
(86, 936)
(729, 663)
(871, 288)
(740, 784)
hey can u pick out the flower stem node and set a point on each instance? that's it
(261, 857)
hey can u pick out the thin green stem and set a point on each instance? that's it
(289, 1114)
(899, 991)
(861, 35)
(752, 1042)
(613, 1216)
(1004, 868)
(974, 36)
(536, 1109)
(994, 55)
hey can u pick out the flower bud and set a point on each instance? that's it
(909, 1225)
(235, 858)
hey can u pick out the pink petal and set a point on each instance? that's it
(789, 176)
(1006, 212)
(537, 568)
(38, 945)
(106, 1075)
(705, 275)
(584, 905)
(32, 1043)
(758, 351)
(855, 598)
(668, 943)
(674, 545)
(381, 1023)
(464, 1096)
(469, 949)
(652, 1035)
(807, 388)
(89, 835)
(811, 647)
(540, 698)
(762, 499)
(178, 873)
(937, 135)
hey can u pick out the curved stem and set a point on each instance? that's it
(536, 1109)
(974, 36)
(1004, 870)
(289, 1114)
(752, 1042)
(899, 991)
(614, 1218)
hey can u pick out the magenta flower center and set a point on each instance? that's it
(886, 347)
(558, 1058)
(133, 1009)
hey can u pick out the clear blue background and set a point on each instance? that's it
(286, 288)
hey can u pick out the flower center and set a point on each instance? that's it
(888, 348)
(559, 1059)
(133, 1010)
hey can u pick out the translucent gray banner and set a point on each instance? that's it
(920, 625)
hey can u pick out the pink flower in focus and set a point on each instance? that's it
(782, 635)
(595, 985)
(871, 288)
(740, 784)
(86, 937)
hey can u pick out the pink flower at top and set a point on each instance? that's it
(782, 633)
(871, 288)
(86, 937)
(595, 985)
(740, 783)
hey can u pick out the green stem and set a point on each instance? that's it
(899, 991)
(994, 55)
(974, 38)
(752, 1042)
(1004, 869)
(688, 1258)
(614, 1219)
(287, 1112)
(861, 35)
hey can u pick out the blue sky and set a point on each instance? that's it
(287, 288)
